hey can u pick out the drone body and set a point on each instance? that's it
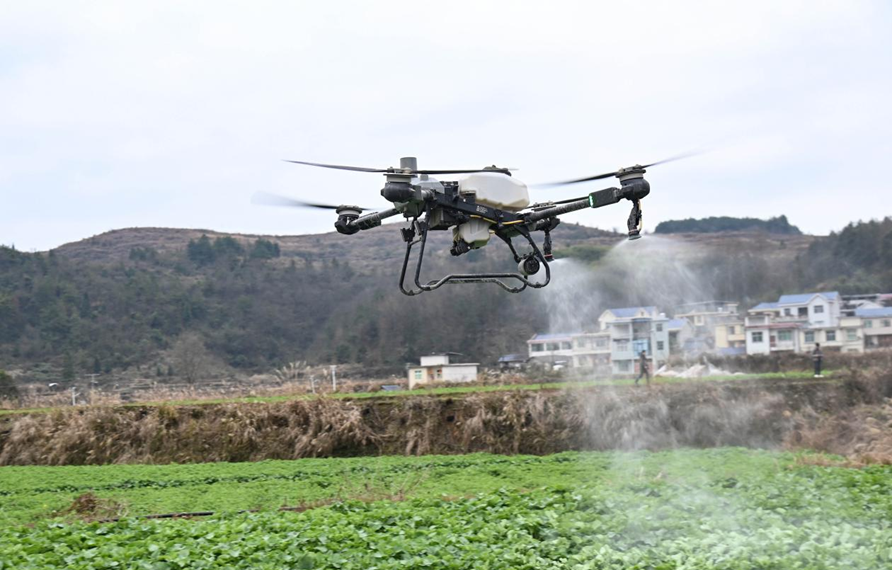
(475, 206)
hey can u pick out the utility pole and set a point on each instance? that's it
(334, 377)
(92, 384)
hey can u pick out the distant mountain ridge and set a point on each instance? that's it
(777, 225)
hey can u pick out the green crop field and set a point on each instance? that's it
(696, 509)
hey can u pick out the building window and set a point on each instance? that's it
(809, 336)
(868, 324)
(566, 346)
(659, 345)
(622, 346)
(851, 334)
(536, 347)
(553, 346)
(788, 312)
(439, 373)
(731, 329)
(418, 374)
(803, 311)
(819, 309)
(784, 336)
(756, 337)
(601, 342)
(623, 365)
(887, 323)
(831, 336)
(659, 327)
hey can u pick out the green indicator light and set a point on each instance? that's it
(591, 201)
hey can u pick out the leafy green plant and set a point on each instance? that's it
(722, 508)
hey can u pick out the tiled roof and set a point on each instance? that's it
(763, 306)
(804, 298)
(676, 324)
(554, 336)
(513, 358)
(874, 313)
(629, 312)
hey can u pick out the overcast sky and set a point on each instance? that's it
(173, 114)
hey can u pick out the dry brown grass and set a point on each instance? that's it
(88, 507)
(858, 427)
(266, 387)
(863, 434)
(531, 422)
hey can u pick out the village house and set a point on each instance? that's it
(592, 351)
(437, 368)
(876, 327)
(680, 333)
(717, 327)
(552, 349)
(795, 323)
(615, 346)
(512, 361)
(634, 330)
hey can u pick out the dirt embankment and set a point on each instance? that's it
(753, 414)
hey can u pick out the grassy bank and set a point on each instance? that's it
(449, 390)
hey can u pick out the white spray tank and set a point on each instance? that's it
(490, 189)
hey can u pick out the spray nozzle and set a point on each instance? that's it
(634, 223)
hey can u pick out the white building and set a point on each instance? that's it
(438, 368)
(634, 330)
(796, 322)
(586, 350)
(554, 349)
(716, 326)
(592, 351)
(876, 327)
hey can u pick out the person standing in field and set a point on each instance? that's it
(643, 370)
(817, 355)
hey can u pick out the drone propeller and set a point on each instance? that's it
(267, 199)
(401, 170)
(612, 174)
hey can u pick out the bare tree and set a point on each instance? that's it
(294, 371)
(190, 358)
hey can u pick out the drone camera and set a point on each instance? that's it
(529, 266)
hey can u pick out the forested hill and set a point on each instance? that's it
(128, 298)
(124, 298)
(778, 225)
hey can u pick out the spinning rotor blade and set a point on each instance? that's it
(470, 171)
(339, 167)
(612, 174)
(267, 199)
(399, 170)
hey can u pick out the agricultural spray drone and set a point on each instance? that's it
(479, 204)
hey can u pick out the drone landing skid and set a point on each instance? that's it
(497, 278)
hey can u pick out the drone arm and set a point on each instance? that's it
(374, 219)
(594, 200)
(349, 225)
